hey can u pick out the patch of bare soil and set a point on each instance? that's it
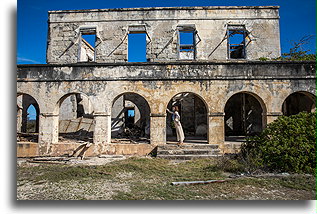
(86, 189)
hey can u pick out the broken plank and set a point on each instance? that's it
(196, 182)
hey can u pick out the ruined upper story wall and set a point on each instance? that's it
(211, 24)
(225, 70)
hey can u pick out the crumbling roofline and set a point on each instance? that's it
(164, 19)
(165, 8)
(216, 62)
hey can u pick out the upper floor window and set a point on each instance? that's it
(236, 42)
(137, 43)
(87, 44)
(186, 42)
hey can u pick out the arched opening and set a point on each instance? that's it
(244, 116)
(75, 122)
(31, 125)
(130, 119)
(193, 114)
(298, 102)
(27, 118)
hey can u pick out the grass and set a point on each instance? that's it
(150, 179)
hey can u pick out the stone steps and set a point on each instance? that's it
(186, 157)
(188, 146)
(187, 151)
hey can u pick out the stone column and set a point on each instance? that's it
(19, 119)
(216, 129)
(102, 130)
(48, 132)
(271, 116)
(158, 129)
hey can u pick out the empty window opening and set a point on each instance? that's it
(187, 49)
(236, 42)
(87, 46)
(243, 117)
(299, 102)
(137, 47)
(31, 119)
(75, 121)
(129, 117)
(27, 119)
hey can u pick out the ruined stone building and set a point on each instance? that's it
(203, 59)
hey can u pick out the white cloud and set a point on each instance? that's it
(23, 60)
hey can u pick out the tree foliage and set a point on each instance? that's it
(286, 145)
(297, 52)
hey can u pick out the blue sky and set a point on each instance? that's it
(297, 20)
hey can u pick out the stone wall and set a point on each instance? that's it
(270, 83)
(162, 26)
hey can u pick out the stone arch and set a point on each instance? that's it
(299, 101)
(193, 110)
(130, 117)
(75, 117)
(24, 123)
(200, 96)
(81, 103)
(245, 114)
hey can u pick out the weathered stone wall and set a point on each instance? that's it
(214, 82)
(160, 24)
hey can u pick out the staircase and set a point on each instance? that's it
(188, 151)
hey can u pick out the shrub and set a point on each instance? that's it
(286, 145)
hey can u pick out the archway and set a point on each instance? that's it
(75, 122)
(244, 116)
(130, 119)
(193, 113)
(298, 102)
(27, 118)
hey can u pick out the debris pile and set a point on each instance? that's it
(79, 136)
(27, 137)
(133, 135)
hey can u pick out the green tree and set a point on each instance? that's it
(286, 145)
(297, 52)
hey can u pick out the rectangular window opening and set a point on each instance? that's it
(137, 46)
(186, 46)
(129, 117)
(87, 44)
(236, 42)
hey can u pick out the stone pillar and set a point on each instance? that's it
(102, 130)
(158, 129)
(216, 129)
(19, 119)
(271, 116)
(48, 132)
